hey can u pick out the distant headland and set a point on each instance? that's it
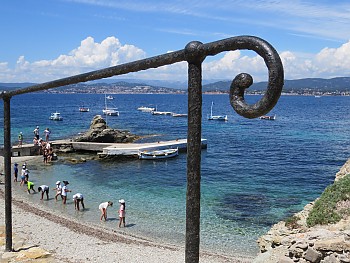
(339, 86)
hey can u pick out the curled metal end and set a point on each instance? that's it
(244, 81)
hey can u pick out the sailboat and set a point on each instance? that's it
(216, 117)
(109, 111)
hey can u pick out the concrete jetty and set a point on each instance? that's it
(106, 149)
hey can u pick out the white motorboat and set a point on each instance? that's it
(216, 117)
(146, 109)
(109, 97)
(56, 116)
(179, 114)
(158, 154)
(109, 111)
(84, 109)
(269, 118)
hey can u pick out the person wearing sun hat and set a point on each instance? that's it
(58, 189)
(121, 212)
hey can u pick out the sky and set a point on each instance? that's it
(45, 40)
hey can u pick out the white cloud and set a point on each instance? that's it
(91, 55)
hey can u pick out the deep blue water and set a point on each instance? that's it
(254, 172)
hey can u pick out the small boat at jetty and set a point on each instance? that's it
(56, 116)
(269, 118)
(146, 109)
(179, 114)
(84, 109)
(158, 154)
(109, 111)
(216, 117)
(161, 113)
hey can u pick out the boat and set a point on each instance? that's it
(269, 118)
(161, 112)
(216, 117)
(158, 154)
(109, 97)
(84, 109)
(179, 114)
(109, 111)
(146, 109)
(56, 116)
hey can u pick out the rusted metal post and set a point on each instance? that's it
(194, 152)
(7, 170)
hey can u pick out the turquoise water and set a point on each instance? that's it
(254, 172)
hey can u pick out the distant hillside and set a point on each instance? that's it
(341, 84)
(334, 86)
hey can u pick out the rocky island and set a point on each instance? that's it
(100, 132)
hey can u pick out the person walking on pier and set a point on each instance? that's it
(20, 139)
(47, 133)
(36, 132)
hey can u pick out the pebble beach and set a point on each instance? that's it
(65, 239)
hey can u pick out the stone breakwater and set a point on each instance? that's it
(318, 244)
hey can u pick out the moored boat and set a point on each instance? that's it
(269, 118)
(216, 117)
(146, 109)
(109, 111)
(56, 116)
(84, 109)
(158, 154)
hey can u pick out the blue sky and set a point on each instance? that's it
(43, 40)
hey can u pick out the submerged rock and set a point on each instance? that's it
(100, 132)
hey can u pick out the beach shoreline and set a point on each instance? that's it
(70, 240)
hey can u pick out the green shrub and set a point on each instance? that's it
(292, 222)
(325, 208)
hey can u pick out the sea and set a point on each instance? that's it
(254, 172)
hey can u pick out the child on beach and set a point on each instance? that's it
(30, 186)
(58, 190)
(121, 212)
(44, 189)
(64, 192)
(103, 208)
(78, 198)
(15, 172)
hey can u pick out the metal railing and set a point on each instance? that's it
(194, 53)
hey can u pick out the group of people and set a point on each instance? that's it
(62, 191)
(37, 138)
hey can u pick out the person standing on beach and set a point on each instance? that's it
(20, 139)
(36, 132)
(121, 212)
(78, 198)
(58, 190)
(30, 186)
(23, 173)
(15, 172)
(103, 209)
(47, 133)
(44, 189)
(64, 192)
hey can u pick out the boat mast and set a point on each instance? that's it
(211, 109)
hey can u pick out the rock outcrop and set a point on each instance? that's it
(318, 244)
(100, 132)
